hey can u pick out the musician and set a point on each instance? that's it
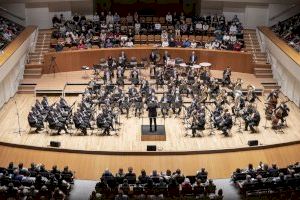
(252, 120)
(239, 104)
(138, 104)
(144, 86)
(282, 111)
(35, 122)
(124, 103)
(159, 77)
(198, 122)
(111, 65)
(226, 76)
(193, 58)
(80, 123)
(227, 123)
(45, 103)
(166, 57)
(164, 105)
(39, 107)
(132, 91)
(107, 76)
(272, 99)
(152, 113)
(122, 59)
(55, 123)
(120, 76)
(177, 103)
(251, 95)
(135, 76)
(153, 57)
(63, 104)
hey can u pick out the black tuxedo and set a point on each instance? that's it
(152, 114)
(153, 57)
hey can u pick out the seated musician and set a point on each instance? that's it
(55, 123)
(251, 95)
(135, 76)
(227, 122)
(138, 104)
(272, 99)
(111, 65)
(107, 76)
(132, 91)
(35, 122)
(252, 120)
(177, 103)
(198, 122)
(120, 76)
(45, 103)
(193, 58)
(124, 103)
(39, 107)
(80, 123)
(164, 105)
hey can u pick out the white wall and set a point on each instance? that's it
(256, 16)
(38, 17)
(280, 12)
(285, 70)
(230, 12)
(17, 9)
(11, 72)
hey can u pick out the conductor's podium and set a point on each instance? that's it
(158, 135)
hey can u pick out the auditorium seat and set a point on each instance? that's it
(143, 39)
(205, 38)
(171, 28)
(162, 20)
(149, 20)
(95, 47)
(157, 38)
(183, 37)
(142, 19)
(188, 21)
(198, 38)
(123, 21)
(150, 39)
(192, 37)
(155, 19)
(137, 39)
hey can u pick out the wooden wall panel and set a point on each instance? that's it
(73, 60)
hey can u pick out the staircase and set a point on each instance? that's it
(33, 69)
(262, 68)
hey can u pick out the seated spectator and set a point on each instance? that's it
(186, 43)
(96, 17)
(172, 43)
(130, 176)
(169, 19)
(107, 175)
(116, 18)
(129, 19)
(194, 44)
(164, 35)
(186, 186)
(183, 28)
(143, 178)
(210, 188)
(109, 18)
(165, 43)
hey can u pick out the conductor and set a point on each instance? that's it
(152, 114)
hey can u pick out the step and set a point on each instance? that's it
(32, 75)
(266, 81)
(25, 91)
(271, 86)
(29, 66)
(33, 71)
(263, 75)
(26, 87)
(262, 70)
(262, 65)
(29, 81)
(35, 62)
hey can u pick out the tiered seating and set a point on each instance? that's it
(271, 182)
(8, 31)
(289, 30)
(35, 182)
(164, 185)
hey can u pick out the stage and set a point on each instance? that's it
(128, 138)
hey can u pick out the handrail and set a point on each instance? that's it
(289, 51)
(12, 14)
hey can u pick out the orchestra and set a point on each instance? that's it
(214, 103)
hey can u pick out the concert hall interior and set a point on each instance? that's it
(149, 99)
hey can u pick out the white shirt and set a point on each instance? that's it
(198, 26)
(165, 44)
(169, 18)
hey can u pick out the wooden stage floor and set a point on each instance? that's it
(129, 138)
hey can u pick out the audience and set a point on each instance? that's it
(107, 31)
(268, 180)
(8, 31)
(289, 31)
(18, 182)
(156, 185)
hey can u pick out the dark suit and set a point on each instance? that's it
(193, 60)
(152, 114)
(153, 57)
